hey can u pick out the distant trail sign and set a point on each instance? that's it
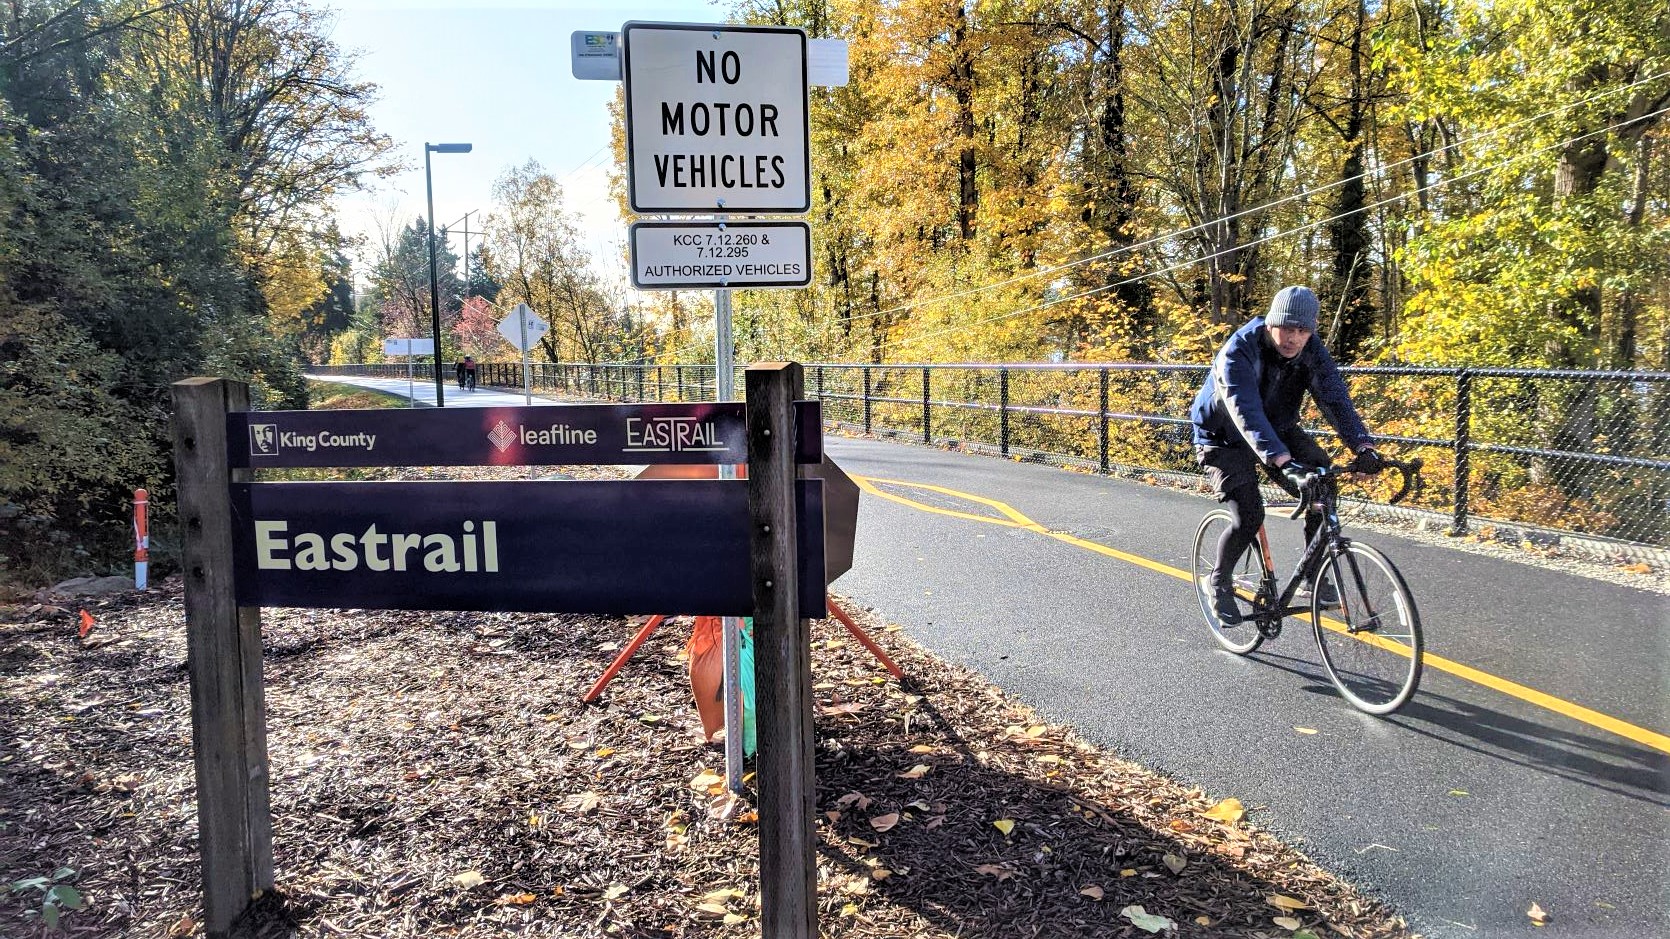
(716, 119)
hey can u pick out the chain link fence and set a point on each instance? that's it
(1526, 455)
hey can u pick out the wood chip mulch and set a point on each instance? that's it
(437, 775)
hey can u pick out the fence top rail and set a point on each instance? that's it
(1567, 374)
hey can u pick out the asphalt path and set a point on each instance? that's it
(1532, 767)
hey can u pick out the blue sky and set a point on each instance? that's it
(495, 75)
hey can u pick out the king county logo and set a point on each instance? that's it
(501, 436)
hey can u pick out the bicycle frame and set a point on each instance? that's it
(1329, 540)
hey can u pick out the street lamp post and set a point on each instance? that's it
(434, 277)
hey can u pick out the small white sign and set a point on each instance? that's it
(408, 347)
(596, 56)
(687, 255)
(716, 119)
(512, 330)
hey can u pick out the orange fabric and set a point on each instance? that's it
(707, 672)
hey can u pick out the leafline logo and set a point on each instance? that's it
(263, 439)
(501, 436)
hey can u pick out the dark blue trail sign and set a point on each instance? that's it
(620, 547)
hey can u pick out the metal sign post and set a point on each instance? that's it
(724, 389)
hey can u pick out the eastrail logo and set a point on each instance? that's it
(672, 435)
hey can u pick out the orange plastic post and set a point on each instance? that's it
(620, 660)
(864, 637)
(141, 539)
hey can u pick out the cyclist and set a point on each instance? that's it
(459, 368)
(1246, 416)
(469, 371)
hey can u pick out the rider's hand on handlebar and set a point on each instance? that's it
(1298, 474)
(1368, 462)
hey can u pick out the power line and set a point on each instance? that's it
(1158, 239)
(1093, 291)
(1126, 249)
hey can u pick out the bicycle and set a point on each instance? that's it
(1361, 610)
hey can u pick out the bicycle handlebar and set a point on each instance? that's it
(1409, 470)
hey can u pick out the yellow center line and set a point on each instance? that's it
(1014, 519)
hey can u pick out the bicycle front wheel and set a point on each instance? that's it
(1371, 639)
(1249, 577)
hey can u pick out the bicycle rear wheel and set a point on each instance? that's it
(1249, 576)
(1371, 643)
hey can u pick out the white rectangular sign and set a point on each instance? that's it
(595, 55)
(687, 255)
(716, 119)
(408, 347)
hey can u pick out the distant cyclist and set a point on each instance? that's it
(459, 368)
(469, 372)
(1246, 416)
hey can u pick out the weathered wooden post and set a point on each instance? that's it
(782, 659)
(223, 655)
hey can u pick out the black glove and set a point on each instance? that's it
(1298, 474)
(1369, 460)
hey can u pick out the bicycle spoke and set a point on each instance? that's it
(1372, 647)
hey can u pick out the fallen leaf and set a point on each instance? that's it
(1175, 863)
(722, 895)
(851, 909)
(650, 718)
(1284, 902)
(582, 801)
(1128, 872)
(1146, 921)
(1305, 730)
(856, 799)
(1286, 922)
(921, 748)
(995, 870)
(915, 772)
(182, 927)
(732, 919)
(706, 780)
(884, 822)
(1538, 915)
(1092, 891)
(1203, 920)
(1229, 811)
(615, 892)
(1046, 758)
(1178, 824)
(468, 879)
(881, 873)
(1004, 825)
(1459, 793)
(845, 707)
(714, 909)
(604, 751)
(1640, 568)
(1036, 732)
(518, 899)
(86, 624)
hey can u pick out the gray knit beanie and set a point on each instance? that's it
(1294, 307)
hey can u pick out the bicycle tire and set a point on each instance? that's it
(1375, 662)
(1249, 575)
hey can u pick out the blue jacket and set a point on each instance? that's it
(1252, 395)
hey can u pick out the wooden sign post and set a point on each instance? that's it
(223, 655)
(782, 661)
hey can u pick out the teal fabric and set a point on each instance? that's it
(746, 657)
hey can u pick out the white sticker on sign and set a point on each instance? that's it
(681, 256)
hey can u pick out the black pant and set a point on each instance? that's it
(1233, 473)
